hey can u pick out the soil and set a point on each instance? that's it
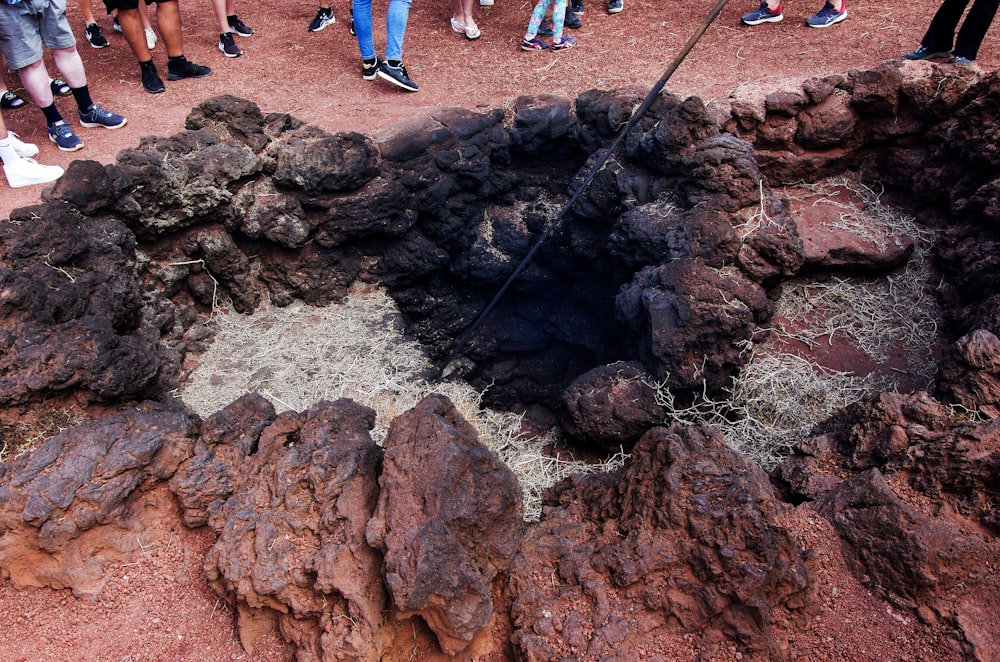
(161, 607)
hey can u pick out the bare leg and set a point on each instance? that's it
(87, 9)
(219, 7)
(134, 34)
(168, 19)
(35, 78)
(70, 65)
(468, 18)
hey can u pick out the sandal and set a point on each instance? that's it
(535, 44)
(473, 33)
(9, 100)
(60, 88)
(457, 25)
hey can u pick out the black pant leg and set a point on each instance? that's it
(974, 28)
(941, 32)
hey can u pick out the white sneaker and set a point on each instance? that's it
(485, 3)
(27, 172)
(150, 39)
(23, 149)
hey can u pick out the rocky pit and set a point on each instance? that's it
(676, 265)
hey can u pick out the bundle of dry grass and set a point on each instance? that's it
(298, 355)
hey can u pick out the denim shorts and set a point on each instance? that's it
(29, 24)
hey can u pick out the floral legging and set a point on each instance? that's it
(538, 13)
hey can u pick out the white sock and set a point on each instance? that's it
(7, 152)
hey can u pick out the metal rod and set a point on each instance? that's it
(636, 116)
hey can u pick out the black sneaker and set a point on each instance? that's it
(397, 76)
(239, 27)
(151, 80)
(184, 68)
(572, 21)
(324, 17)
(576, 6)
(615, 6)
(228, 45)
(95, 37)
(370, 70)
(350, 24)
(116, 26)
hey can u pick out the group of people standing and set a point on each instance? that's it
(26, 26)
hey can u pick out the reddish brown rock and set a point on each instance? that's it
(449, 519)
(682, 539)
(291, 552)
(76, 503)
(970, 372)
(612, 406)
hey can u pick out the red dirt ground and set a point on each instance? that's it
(160, 608)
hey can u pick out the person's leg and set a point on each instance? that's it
(395, 29)
(35, 78)
(168, 19)
(134, 33)
(362, 10)
(219, 9)
(470, 21)
(87, 10)
(974, 28)
(940, 35)
(537, 14)
(558, 19)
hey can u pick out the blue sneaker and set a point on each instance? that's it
(924, 53)
(62, 135)
(827, 16)
(615, 6)
(97, 116)
(763, 15)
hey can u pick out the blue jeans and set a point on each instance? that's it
(395, 28)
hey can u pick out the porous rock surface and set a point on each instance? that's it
(347, 548)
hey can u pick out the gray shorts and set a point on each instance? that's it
(24, 27)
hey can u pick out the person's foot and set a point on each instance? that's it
(181, 67)
(350, 24)
(60, 88)
(9, 100)
(763, 15)
(97, 116)
(228, 45)
(576, 6)
(827, 16)
(324, 17)
(457, 25)
(572, 21)
(615, 6)
(94, 36)
(115, 25)
(485, 3)
(369, 68)
(150, 38)
(535, 44)
(62, 135)
(398, 76)
(28, 172)
(961, 59)
(472, 32)
(237, 26)
(21, 148)
(151, 80)
(924, 53)
(563, 44)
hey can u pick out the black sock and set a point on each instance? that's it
(82, 96)
(175, 59)
(370, 61)
(51, 114)
(394, 63)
